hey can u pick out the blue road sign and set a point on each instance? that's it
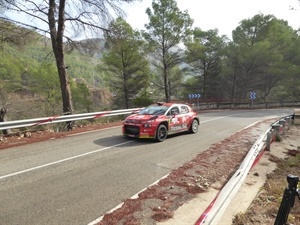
(252, 95)
(194, 96)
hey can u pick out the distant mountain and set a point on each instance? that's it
(93, 47)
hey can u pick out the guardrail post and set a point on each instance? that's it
(288, 121)
(269, 138)
(288, 199)
(282, 123)
(275, 128)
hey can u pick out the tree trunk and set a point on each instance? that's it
(3, 112)
(58, 49)
(167, 89)
(166, 83)
(126, 97)
(234, 81)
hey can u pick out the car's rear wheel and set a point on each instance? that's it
(194, 126)
(161, 133)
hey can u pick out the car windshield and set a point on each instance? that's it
(154, 110)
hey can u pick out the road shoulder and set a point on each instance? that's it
(190, 212)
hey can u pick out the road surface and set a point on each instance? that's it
(77, 179)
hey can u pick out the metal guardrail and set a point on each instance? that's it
(243, 105)
(65, 118)
(216, 209)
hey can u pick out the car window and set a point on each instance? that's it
(153, 110)
(174, 110)
(184, 109)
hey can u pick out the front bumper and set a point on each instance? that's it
(138, 131)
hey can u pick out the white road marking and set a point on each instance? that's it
(91, 131)
(99, 219)
(217, 118)
(62, 160)
(89, 153)
(212, 119)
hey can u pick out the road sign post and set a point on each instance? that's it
(197, 96)
(252, 97)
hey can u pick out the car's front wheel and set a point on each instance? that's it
(194, 126)
(161, 133)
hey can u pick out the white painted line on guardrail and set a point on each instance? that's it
(62, 160)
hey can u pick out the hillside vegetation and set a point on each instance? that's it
(125, 70)
(30, 85)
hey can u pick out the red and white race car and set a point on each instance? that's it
(161, 119)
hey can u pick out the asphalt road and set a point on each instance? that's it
(75, 180)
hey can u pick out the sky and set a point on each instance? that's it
(225, 15)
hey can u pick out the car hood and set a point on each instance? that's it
(138, 118)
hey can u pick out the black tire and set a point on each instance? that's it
(194, 126)
(161, 133)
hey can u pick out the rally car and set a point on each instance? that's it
(159, 120)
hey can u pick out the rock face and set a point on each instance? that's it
(101, 97)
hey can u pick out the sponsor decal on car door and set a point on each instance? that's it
(178, 121)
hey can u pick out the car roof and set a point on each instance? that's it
(170, 104)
